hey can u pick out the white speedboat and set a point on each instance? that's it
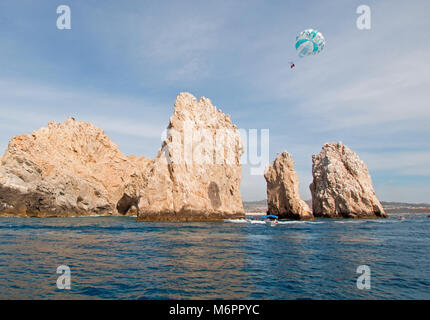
(272, 223)
(270, 220)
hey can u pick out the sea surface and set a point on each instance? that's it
(119, 258)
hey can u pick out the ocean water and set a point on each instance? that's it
(119, 258)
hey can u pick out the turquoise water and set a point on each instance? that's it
(119, 258)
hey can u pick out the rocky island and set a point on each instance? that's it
(197, 173)
(342, 186)
(67, 169)
(283, 197)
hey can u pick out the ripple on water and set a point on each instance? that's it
(119, 258)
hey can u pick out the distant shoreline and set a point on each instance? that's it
(260, 207)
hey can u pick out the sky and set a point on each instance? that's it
(122, 64)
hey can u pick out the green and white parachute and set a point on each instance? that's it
(309, 42)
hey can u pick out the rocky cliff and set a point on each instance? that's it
(65, 169)
(196, 174)
(283, 197)
(342, 186)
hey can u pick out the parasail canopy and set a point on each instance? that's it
(309, 42)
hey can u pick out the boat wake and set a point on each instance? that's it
(252, 221)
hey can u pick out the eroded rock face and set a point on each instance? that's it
(196, 174)
(283, 197)
(65, 169)
(342, 186)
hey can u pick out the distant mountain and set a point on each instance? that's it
(403, 207)
(405, 204)
(390, 207)
(255, 206)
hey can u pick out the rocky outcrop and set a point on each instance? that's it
(196, 174)
(65, 169)
(283, 197)
(342, 186)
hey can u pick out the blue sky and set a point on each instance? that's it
(123, 63)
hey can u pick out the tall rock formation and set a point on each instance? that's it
(283, 197)
(65, 169)
(342, 186)
(196, 174)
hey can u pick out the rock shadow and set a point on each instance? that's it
(125, 204)
(213, 194)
